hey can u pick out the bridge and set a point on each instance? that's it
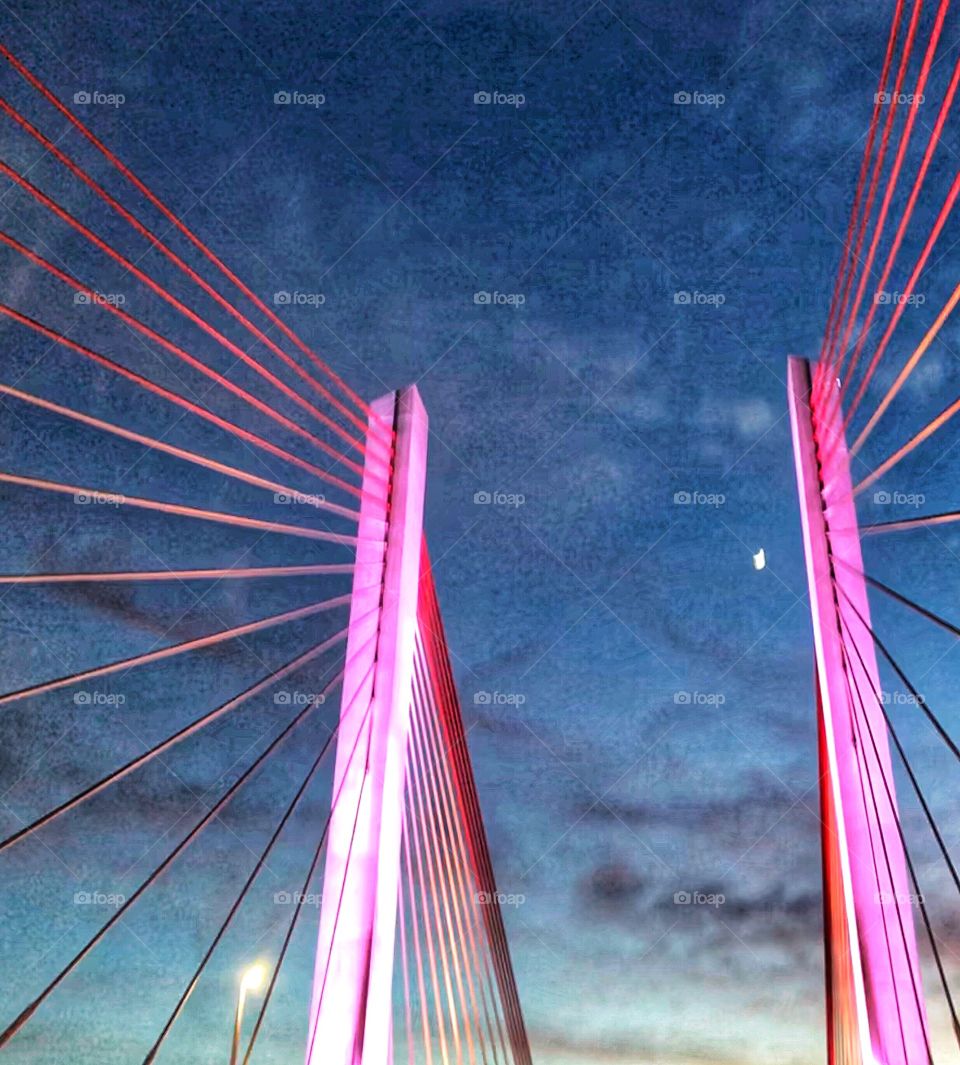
(412, 961)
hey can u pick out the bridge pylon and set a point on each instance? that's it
(875, 1004)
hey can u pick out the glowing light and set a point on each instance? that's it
(253, 977)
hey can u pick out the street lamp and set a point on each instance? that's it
(252, 980)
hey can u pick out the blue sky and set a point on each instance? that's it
(594, 272)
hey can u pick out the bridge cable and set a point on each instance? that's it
(193, 408)
(160, 290)
(193, 457)
(155, 242)
(913, 106)
(185, 230)
(175, 649)
(839, 283)
(860, 755)
(455, 845)
(113, 309)
(278, 964)
(181, 734)
(920, 701)
(913, 876)
(26, 1014)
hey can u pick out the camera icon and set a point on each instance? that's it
(682, 898)
(82, 898)
(682, 499)
(281, 299)
(81, 97)
(682, 298)
(682, 698)
(482, 98)
(482, 498)
(282, 698)
(482, 298)
(81, 298)
(282, 97)
(883, 498)
(682, 97)
(282, 898)
(482, 698)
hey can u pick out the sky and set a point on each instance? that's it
(590, 233)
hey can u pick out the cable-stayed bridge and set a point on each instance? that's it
(411, 961)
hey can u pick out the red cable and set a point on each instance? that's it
(861, 184)
(164, 294)
(178, 452)
(156, 242)
(103, 577)
(188, 233)
(837, 354)
(940, 222)
(892, 180)
(178, 509)
(898, 239)
(469, 803)
(159, 290)
(179, 352)
(908, 368)
(185, 404)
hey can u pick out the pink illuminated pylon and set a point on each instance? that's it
(351, 1012)
(874, 992)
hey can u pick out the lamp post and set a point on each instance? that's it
(251, 980)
